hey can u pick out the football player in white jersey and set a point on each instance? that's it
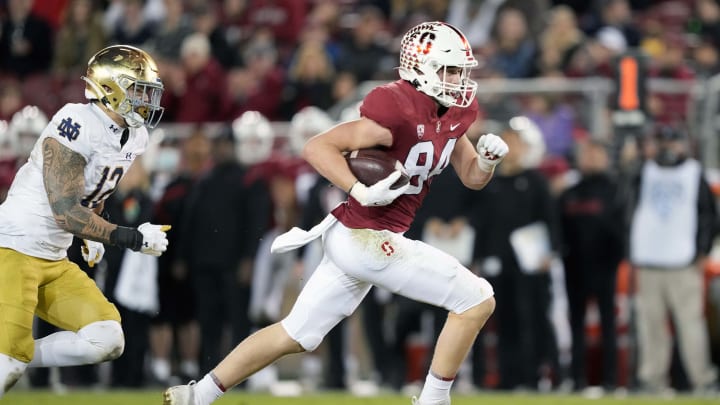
(75, 165)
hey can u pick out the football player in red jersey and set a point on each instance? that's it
(420, 120)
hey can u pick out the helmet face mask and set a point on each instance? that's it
(125, 79)
(437, 59)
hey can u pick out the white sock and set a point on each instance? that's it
(97, 342)
(435, 390)
(189, 368)
(160, 369)
(10, 372)
(207, 391)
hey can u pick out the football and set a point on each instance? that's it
(373, 165)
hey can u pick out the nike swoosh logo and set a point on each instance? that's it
(453, 126)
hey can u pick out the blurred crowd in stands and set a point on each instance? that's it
(219, 58)
(250, 64)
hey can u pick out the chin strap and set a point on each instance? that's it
(131, 119)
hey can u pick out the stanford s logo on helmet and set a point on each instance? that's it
(125, 79)
(426, 51)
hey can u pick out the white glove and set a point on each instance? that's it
(380, 192)
(92, 252)
(491, 150)
(154, 238)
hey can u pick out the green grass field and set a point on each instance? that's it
(155, 398)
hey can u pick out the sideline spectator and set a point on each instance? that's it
(132, 28)
(556, 120)
(514, 50)
(171, 32)
(592, 248)
(197, 88)
(80, 36)
(672, 228)
(221, 229)
(176, 320)
(258, 85)
(362, 50)
(284, 18)
(310, 80)
(25, 41)
(130, 205)
(559, 41)
(517, 197)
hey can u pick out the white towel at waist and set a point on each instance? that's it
(297, 237)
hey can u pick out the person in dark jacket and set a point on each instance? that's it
(25, 41)
(177, 319)
(130, 205)
(592, 248)
(518, 199)
(224, 220)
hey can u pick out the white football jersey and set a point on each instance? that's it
(26, 220)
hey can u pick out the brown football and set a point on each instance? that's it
(373, 165)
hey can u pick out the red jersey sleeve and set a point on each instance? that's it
(381, 106)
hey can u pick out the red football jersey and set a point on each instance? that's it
(422, 142)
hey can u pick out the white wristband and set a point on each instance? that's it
(485, 165)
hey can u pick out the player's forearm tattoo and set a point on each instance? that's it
(63, 176)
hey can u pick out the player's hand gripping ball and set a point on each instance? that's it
(381, 178)
(373, 165)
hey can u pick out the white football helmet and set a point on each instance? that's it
(305, 124)
(426, 51)
(532, 135)
(254, 138)
(351, 112)
(25, 128)
(125, 79)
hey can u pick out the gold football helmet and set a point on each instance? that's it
(125, 79)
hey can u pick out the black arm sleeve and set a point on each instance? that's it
(125, 237)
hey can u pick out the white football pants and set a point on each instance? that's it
(357, 259)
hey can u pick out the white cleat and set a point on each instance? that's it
(180, 395)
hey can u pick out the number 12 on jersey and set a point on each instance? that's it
(97, 196)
